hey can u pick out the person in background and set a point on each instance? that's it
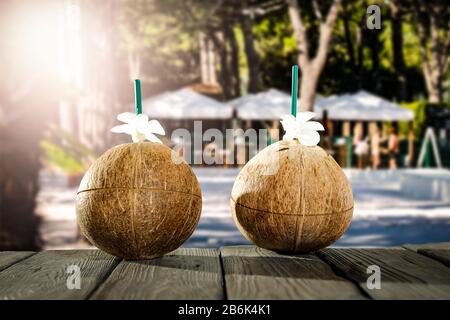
(358, 143)
(362, 152)
(393, 147)
(375, 138)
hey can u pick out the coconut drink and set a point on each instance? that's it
(138, 200)
(292, 196)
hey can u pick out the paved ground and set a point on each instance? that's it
(383, 216)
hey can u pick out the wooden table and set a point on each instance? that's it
(243, 272)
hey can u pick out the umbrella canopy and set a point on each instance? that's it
(362, 106)
(185, 104)
(267, 105)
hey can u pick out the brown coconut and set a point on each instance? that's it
(135, 202)
(292, 198)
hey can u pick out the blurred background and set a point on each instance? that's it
(375, 72)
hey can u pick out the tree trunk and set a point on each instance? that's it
(311, 66)
(434, 47)
(207, 67)
(204, 72)
(348, 35)
(434, 91)
(308, 88)
(233, 60)
(360, 48)
(397, 49)
(374, 45)
(251, 54)
(98, 110)
(224, 75)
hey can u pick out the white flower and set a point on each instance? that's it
(138, 126)
(301, 128)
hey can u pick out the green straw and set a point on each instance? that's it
(294, 90)
(137, 96)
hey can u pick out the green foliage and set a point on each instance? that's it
(420, 116)
(57, 157)
(69, 155)
(276, 46)
(419, 109)
(164, 34)
(159, 33)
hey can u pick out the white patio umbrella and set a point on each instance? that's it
(185, 104)
(267, 105)
(362, 106)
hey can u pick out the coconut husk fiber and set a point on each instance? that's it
(138, 201)
(292, 198)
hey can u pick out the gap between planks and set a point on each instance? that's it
(436, 251)
(186, 273)
(256, 273)
(45, 275)
(404, 274)
(10, 258)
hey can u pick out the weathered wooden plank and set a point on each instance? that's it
(404, 274)
(45, 275)
(439, 255)
(8, 258)
(436, 251)
(255, 273)
(428, 246)
(182, 274)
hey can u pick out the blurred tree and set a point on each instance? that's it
(432, 22)
(249, 11)
(354, 25)
(252, 42)
(246, 22)
(397, 12)
(276, 48)
(311, 66)
(201, 24)
(99, 101)
(160, 43)
(214, 21)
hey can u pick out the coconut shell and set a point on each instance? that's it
(292, 198)
(135, 202)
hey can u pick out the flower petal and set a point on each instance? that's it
(126, 117)
(138, 136)
(151, 137)
(138, 126)
(155, 127)
(313, 126)
(302, 117)
(288, 122)
(141, 122)
(289, 136)
(288, 118)
(123, 128)
(309, 139)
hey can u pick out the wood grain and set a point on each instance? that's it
(404, 274)
(439, 255)
(431, 246)
(138, 201)
(256, 273)
(292, 198)
(436, 251)
(44, 275)
(8, 258)
(182, 274)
